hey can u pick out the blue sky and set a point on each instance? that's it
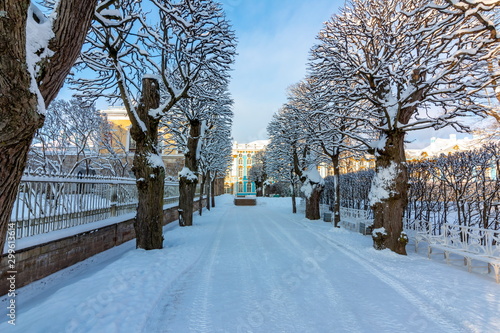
(274, 42)
(274, 39)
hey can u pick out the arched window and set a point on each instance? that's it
(240, 161)
(249, 161)
(240, 187)
(249, 187)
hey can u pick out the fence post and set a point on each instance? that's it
(113, 200)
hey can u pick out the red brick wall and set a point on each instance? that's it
(39, 261)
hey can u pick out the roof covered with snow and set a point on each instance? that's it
(254, 145)
(440, 146)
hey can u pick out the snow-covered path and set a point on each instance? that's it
(262, 269)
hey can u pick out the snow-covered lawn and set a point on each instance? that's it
(258, 269)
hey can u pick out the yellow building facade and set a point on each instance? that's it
(121, 140)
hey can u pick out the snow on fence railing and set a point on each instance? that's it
(351, 213)
(358, 220)
(471, 239)
(48, 203)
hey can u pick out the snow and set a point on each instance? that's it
(199, 148)
(111, 13)
(379, 144)
(313, 178)
(313, 175)
(38, 36)
(151, 76)
(381, 231)
(155, 160)
(156, 113)
(307, 188)
(188, 174)
(381, 184)
(258, 269)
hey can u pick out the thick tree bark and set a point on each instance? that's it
(187, 190)
(212, 192)
(19, 106)
(187, 182)
(149, 171)
(312, 203)
(388, 212)
(202, 192)
(70, 33)
(209, 189)
(259, 185)
(336, 185)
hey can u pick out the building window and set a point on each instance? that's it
(249, 187)
(240, 161)
(240, 187)
(240, 172)
(249, 161)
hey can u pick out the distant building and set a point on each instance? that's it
(436, 148)
(439, 146)
(237, 182)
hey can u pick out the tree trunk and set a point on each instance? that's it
(213, 192)
(313, 199)
(19, 105)
(209, 189)
(187, 190)
(149, 171)
(189, 179)
(294, 201)
(258, 188)
(12, 162)
(202, 191)
(390, 190)
(312, 203)
(336, 185)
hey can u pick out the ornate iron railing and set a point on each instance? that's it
(48, 203)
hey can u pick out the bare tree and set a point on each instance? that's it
(405, 66)
(116, 159)
(257, 172)
(287, 130)
(279, 157)
(329, 127)
(158, 66)
(215, 155)
(36, 54)
(70, 139)
(305, 155)
(189, 125)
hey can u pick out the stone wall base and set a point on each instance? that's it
(36, 262)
